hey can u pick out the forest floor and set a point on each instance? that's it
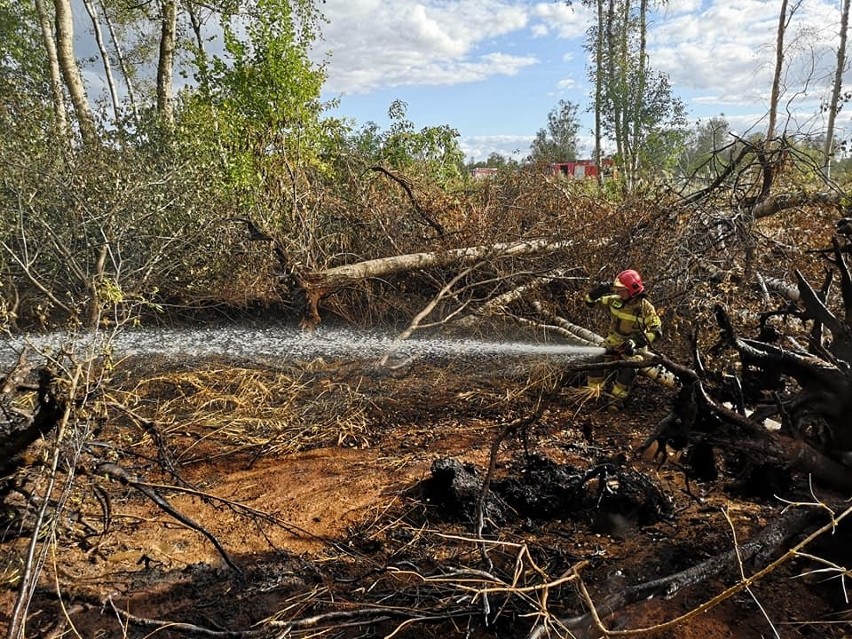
(327, 505)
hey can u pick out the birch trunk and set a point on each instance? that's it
(318, 284)
(833, 106)
(60, 117)
(71, 72)
(122, 64)
(165, 64)
(639, 98)
(599, 67)
(99, 40)
(776, 78)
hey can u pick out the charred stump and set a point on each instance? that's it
(456, 489)
(19, 430)
(611, 496)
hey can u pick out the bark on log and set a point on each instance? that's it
(318, 284)
(759, 548)
(789, 452)
(777, 203)
(350, 273)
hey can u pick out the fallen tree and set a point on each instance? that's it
(318, 284)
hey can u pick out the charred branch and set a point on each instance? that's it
(788, 452)
(845, 280)
(20, 431)
(819, 412)
(815, 307)
(756, 551)
(775, 204)
(722, 177)
(113, 471)
(256, 234)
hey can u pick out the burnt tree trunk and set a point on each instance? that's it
(816, 410)
(19, 430)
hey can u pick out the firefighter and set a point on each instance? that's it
(634, 324)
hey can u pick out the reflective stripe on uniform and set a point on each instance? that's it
(628, 320)
(622, 315)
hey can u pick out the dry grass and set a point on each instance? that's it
(221, 411)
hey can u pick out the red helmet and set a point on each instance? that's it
(631, 280)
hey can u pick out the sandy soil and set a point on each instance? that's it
(325, 527)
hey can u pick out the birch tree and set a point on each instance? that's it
(834, 105)
(166, 60)
(595, 45)
(59, 113)
(637, 107)
(783, 22)
(105, 61)
(122, 62)
(71, 71)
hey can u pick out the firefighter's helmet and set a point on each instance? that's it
(631, 280)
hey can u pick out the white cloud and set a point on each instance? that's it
(674, 7)
(479, 147)
(567, 84)
(378, 43)
(719, 55)
(566, 21)
(728, 49)
(540, 30)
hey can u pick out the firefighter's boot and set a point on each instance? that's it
(619, 393)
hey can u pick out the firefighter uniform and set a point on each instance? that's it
(633, 325)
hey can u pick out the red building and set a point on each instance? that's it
(581, 169)
(483, 172)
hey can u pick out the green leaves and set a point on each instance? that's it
(432, 151)
(24, 80)
(557, 143)
(638, 110)
(264, 93)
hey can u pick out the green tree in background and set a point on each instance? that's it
(635, 106)
(266, 91)
(558, 141)
(431, 151)
(494, 160)
(702, 155)
(25, 96)
(659, 128)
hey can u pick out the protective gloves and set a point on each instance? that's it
(600, 290)
(627, 348)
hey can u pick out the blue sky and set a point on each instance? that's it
(493, 69)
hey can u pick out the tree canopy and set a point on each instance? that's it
(557, 142)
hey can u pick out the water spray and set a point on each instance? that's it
(286, 343)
